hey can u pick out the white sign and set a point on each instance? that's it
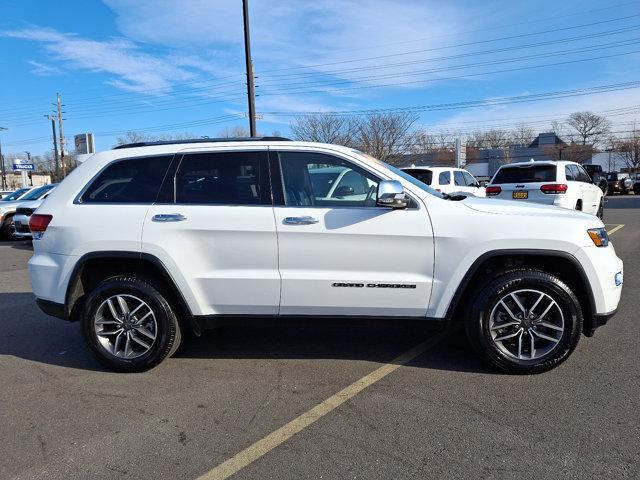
(19, 164)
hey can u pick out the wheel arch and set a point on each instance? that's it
(561, 264)
(92, 268)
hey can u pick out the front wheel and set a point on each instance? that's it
(525, 322)
(129, 325)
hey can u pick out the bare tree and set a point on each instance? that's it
(137, 137)
(325, 128)
(629, 149)
(573, 152)
(237, 131)
(522, 135)
(589, 127)
(384, 135)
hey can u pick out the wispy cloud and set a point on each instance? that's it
(43, 69)
(130, 68)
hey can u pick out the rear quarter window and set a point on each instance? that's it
(135, 180)
(527, 174)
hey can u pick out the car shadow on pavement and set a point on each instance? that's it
(31, 335)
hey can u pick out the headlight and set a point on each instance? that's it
(599, 236)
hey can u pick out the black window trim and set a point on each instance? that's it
(78, 198)
(277, 188)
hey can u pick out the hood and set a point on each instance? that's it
(5, 206)
(510, 207)
(30, 203)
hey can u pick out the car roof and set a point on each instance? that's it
(433, 169)
(539, 162)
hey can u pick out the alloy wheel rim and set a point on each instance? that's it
(526, 324)
(125, 326)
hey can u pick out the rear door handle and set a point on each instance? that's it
(306, 220)
(168, 217)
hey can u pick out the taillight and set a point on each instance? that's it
(554, 188)
(38, 224)
(493, 190)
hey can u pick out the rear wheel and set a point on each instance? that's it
(525, 322)
(129, 325)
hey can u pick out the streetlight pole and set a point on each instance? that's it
(24, 174)
(4, 172)
(251, 92)
(55, 146)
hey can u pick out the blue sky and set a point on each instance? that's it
(170, 66)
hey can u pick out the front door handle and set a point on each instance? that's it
(306, 220)
(168, 217)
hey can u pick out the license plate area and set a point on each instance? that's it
(520, 194)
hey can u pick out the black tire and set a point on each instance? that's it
(479, 313)
(604, 186)
(600, 212)
(5, 229)
(167, 335)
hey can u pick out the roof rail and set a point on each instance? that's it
(203, 140)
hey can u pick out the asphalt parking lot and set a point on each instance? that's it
(434, 412)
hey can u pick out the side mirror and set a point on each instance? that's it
(343, 191)
(391, 194)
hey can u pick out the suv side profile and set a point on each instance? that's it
(142, 244)
(448, 180)
(560, 183)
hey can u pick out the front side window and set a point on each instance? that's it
(222, 178)
(470, 179)
(444, 178)
(135, 180)
(319, 180)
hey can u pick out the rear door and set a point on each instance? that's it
(346, 256)
(523, 182)
(213, 227)
(591, 192)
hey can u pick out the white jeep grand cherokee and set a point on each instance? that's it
(146, 241)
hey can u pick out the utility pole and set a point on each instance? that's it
(62, 163)
(24, 174)
(4, 172)
(55, 146)
(251, 92)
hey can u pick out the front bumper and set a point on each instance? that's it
(21, 226)
(52, 308)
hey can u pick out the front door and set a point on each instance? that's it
(340, 254)
(214, 228)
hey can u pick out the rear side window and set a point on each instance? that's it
(528, 174)
(458, 179)
(569, 173)
(425, 176)
(444, 178)
(135, 180)
(223, 178)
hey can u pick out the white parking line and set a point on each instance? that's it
(615, 229)
(281, 435)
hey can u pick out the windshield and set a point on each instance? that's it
(37, 193)
(525, 174)
(405, 175)
(15, 195)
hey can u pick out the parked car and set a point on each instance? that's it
(203, 232)
(636, 184)
(8, 209)
(598, 177)
(560, 183)
(15, 194)
(447, 180)
(619, 183)
(20, 226)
